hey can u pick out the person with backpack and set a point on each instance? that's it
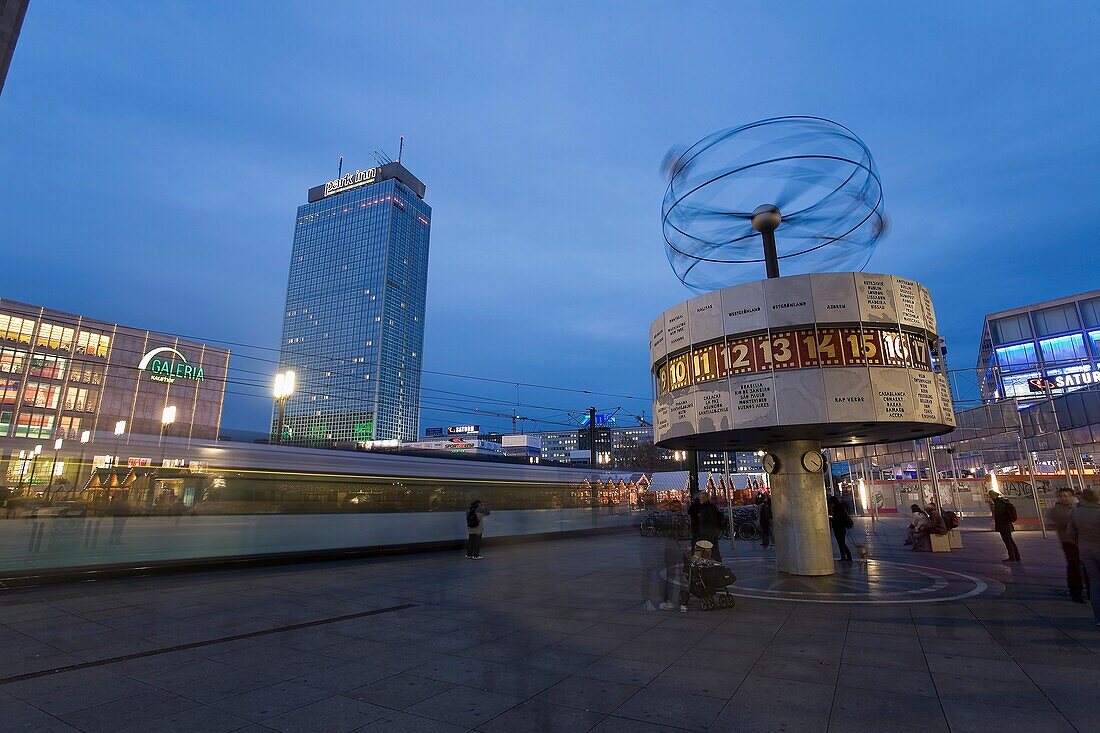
(1004, 516)
(840, 521)
(475, 524)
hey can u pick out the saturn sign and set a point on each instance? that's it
(166, 364)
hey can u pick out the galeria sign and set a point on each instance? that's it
(162, 367)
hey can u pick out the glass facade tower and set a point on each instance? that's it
(353, 327)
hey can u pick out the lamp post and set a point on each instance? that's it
(57, 444)
(22, 468)
(284, 388)
(84, 438)
(167, 417)
(120, 430)
(34, 463)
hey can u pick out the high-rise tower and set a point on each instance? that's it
(353, 327)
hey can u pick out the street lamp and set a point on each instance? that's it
(120, 430)
(167, 417)
(34, 463)
(22, 468)
(284, 388)
(84, 438)
(53, 469)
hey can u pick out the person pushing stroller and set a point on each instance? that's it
(712, 523)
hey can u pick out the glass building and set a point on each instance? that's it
(1056, 339)
(353, 328)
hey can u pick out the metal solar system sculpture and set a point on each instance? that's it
(824, 356)
(728, 193)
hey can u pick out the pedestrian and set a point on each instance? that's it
(661, 570)
(711, 523)
(766, 522)
(475, 523)
(840, 521)
(919, 520)
(1004, 515)
(119, 511)
(693, 516)
(1084, 531)
(1059, 515)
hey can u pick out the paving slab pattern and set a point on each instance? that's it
(553, 636)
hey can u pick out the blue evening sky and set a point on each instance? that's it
(152, 155)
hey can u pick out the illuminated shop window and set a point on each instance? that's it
(1015, 385)
(14, 328)
(5, 422)
(34, 426)
(1064, 349)
(69, 427)
(9, 391)
(79, 399)
(40, 394)
(1015, 358)
(1094, 337)
(47, 366)
(12, 361)
(93, 344)
(53, 336)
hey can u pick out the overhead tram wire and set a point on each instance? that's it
(429, 404)
(344, 362)
(263, 385)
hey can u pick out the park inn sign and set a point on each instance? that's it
(352, 180)
(162, 367)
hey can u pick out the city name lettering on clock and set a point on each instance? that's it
(351, 180)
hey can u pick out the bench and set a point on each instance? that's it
(940, 542)
(956, 539)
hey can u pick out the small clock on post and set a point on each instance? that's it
(770, 463)
(812, 461)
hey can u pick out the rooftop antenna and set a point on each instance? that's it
(340, 170)
(400, 148)
(381, 158)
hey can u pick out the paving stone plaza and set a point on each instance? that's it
(553, 636)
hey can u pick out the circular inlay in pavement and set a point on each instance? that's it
(878, 581)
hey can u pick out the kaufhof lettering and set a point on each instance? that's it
(351, 180)
(163, 368)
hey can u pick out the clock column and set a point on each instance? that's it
(803, 541)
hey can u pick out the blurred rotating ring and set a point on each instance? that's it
(818, 173)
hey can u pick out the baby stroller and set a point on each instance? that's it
(706, 579)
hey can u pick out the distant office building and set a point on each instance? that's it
(12, 13)
(353, 327)
(522, 446)
(619, 447)
(62, 374)
(1058, 340)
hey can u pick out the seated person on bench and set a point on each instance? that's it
(935, 525)
(920, 518)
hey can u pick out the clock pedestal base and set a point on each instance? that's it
(800, 518)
